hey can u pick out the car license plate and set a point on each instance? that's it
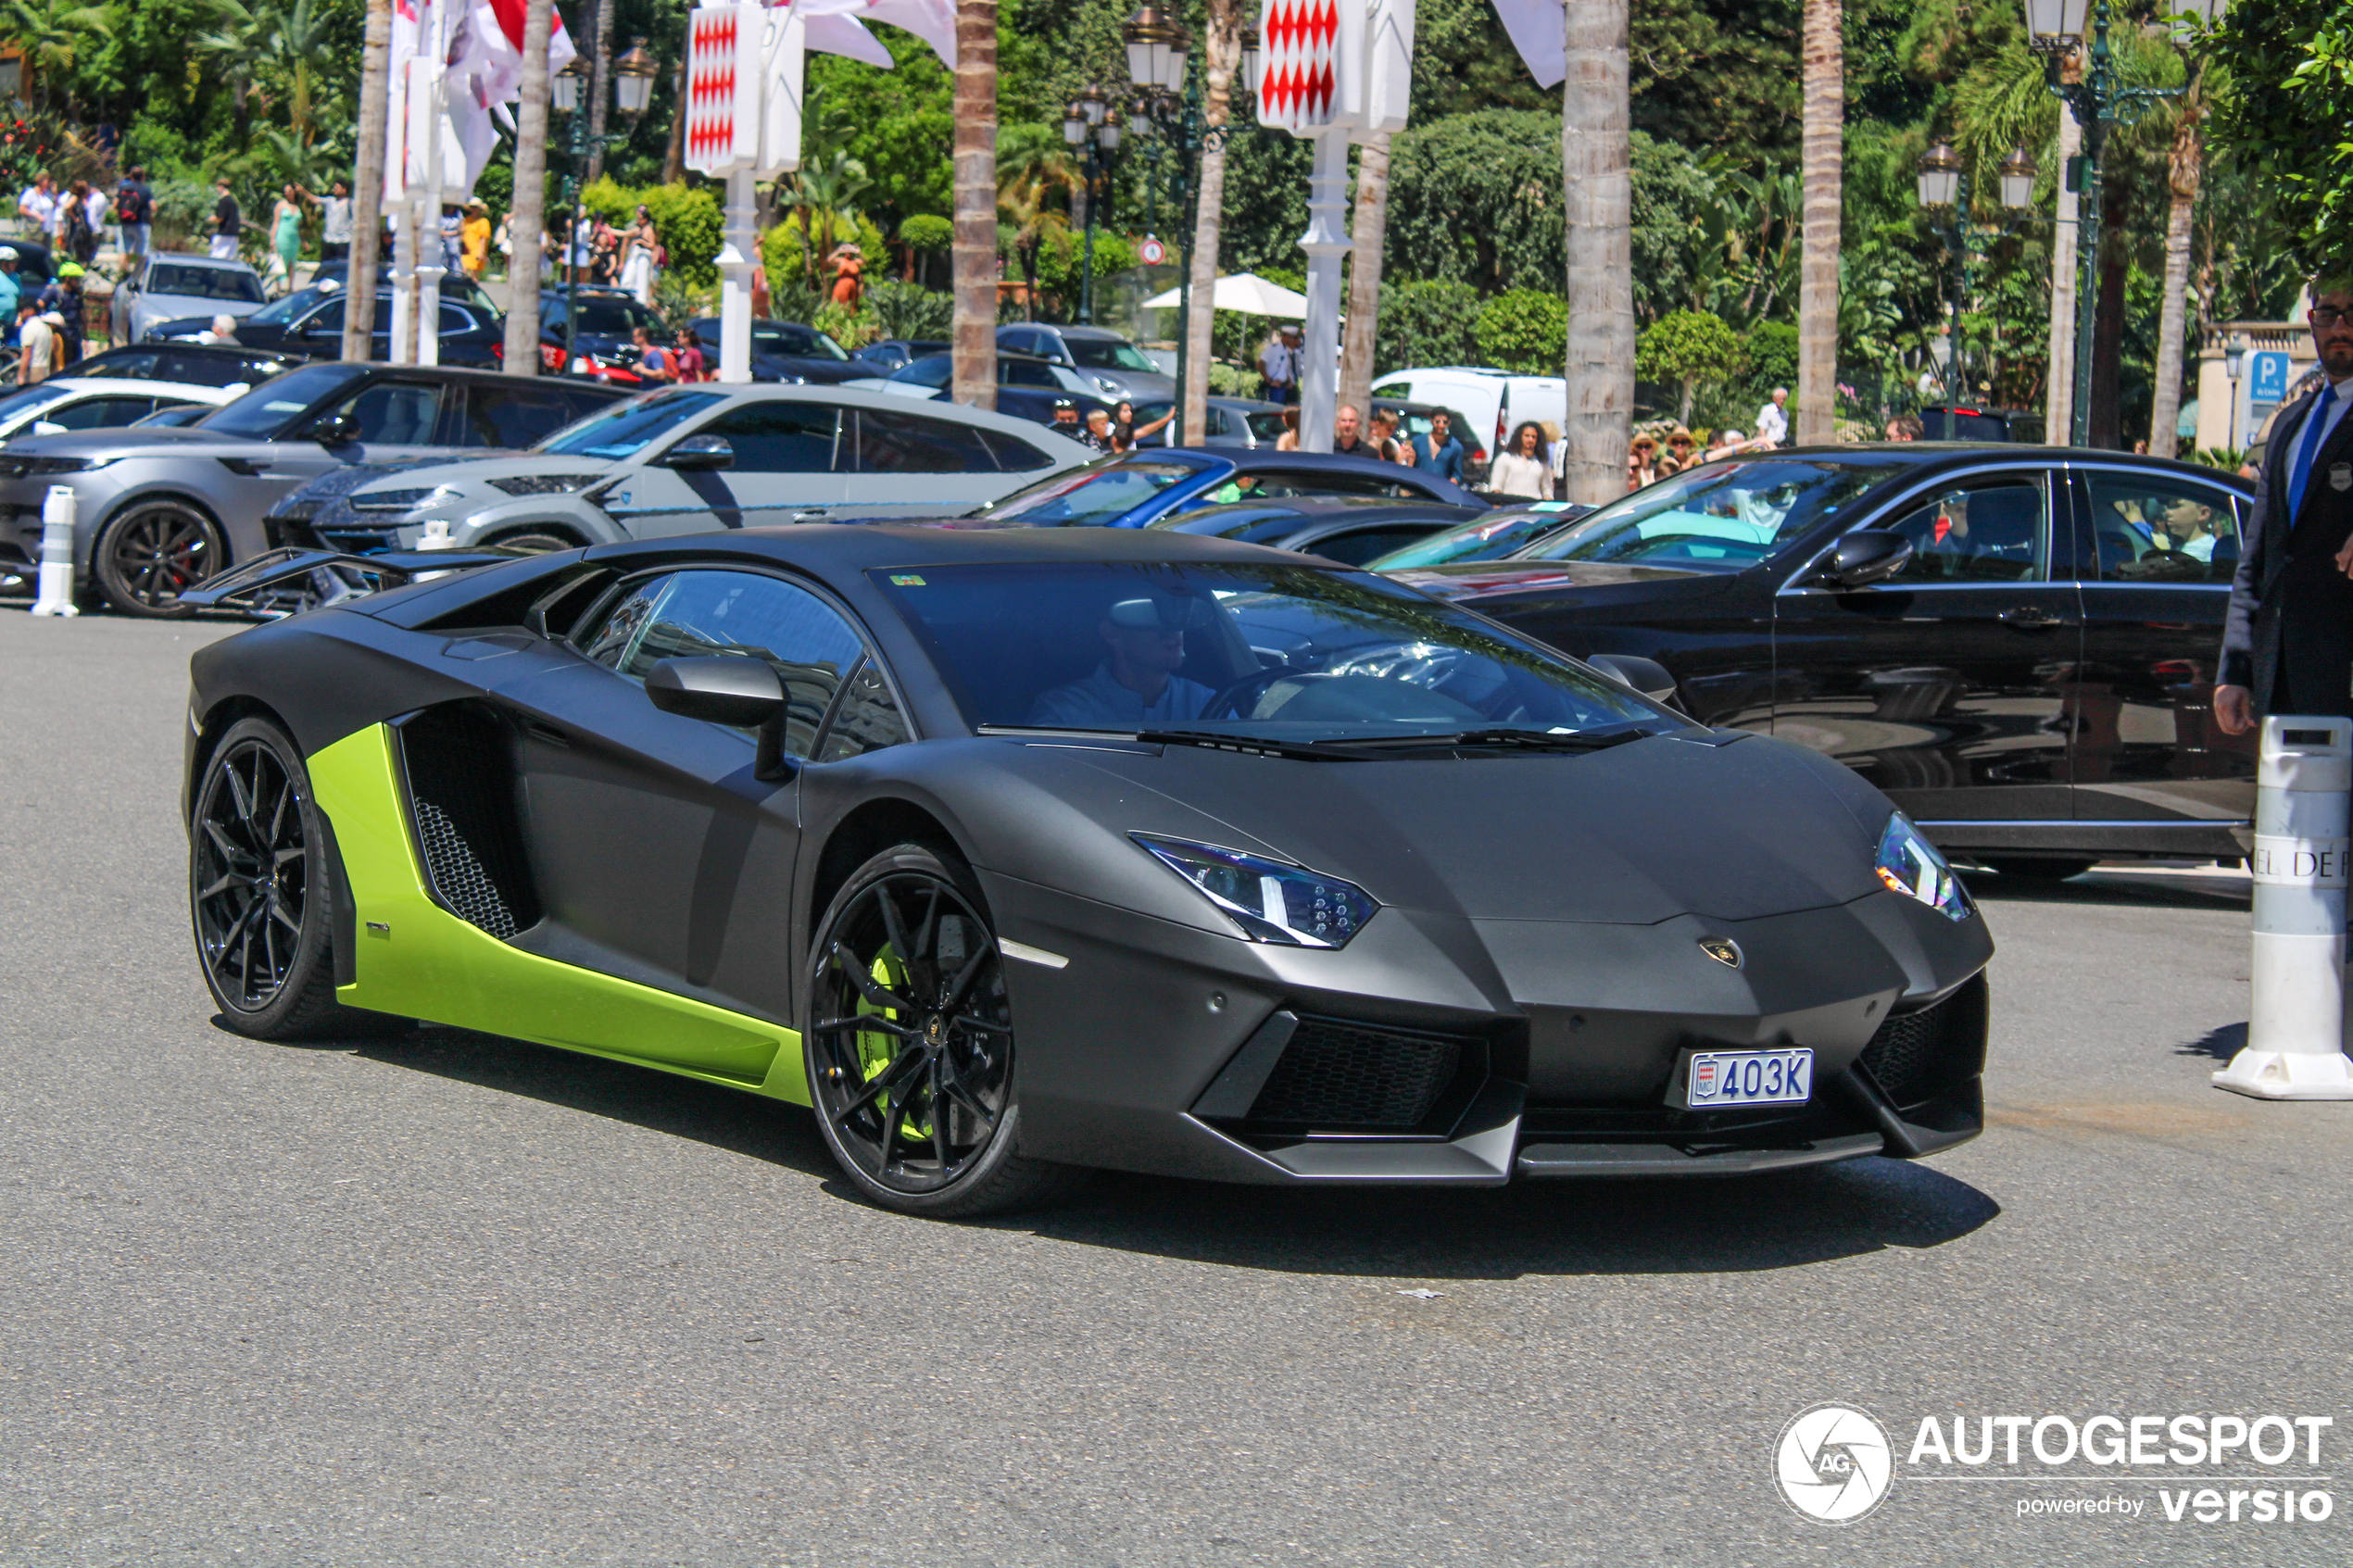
(1719, 1079)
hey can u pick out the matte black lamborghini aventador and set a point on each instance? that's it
(1018, 852)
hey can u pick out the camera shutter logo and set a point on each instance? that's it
(1833, 1463)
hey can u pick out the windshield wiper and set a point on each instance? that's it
(1254, 745)
(1503, 740)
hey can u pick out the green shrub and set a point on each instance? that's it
(1685, 349)
(780, 250)
(908, 310)
(1526, 330)
(1431, 322)
(924, 230)
(687, 218)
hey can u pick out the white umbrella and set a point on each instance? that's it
(1246, 292)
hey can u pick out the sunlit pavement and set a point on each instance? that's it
(451, 1299)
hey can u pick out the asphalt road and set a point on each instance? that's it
(453, 1300)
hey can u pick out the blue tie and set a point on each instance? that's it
(2308, 449)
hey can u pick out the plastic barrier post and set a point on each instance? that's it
(55, 587)
(2296, 1028)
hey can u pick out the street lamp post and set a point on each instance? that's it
(1093, 124)
(1944, 188)
(634, 75)
(2235, 361)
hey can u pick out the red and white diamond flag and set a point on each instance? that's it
(722, 93)
(1300, 63)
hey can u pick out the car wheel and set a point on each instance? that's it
(2032, 868)
(258, 892)
(909, 1044)
(154, 551)
(537, 540)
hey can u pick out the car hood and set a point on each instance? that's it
(160, 442)
(479, 471)
(193, 305)
(1717, 823)
(344, 479)
(1464, 580)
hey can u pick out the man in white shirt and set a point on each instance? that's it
(37, 336)
(1772, 421)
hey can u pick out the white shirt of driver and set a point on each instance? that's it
(1772, 425)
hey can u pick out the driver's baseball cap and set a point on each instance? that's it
(1159, 613)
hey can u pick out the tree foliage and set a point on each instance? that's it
(2282, 100)
(1523, 331)
(1685, 348)
(1431, 322)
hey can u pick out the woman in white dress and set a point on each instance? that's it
(639, 242)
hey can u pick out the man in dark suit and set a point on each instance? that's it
(2287, 647)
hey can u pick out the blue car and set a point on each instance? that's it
(1144, 487)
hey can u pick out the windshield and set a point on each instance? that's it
(1294, 654)
(623, 431)
(1483, 538)
(1095, 493)
(1719, 516)
(790, 337)
(205, 283)
(614, 317)
(1108, 354)
(933, 370)
(282, 311)
(263, 412)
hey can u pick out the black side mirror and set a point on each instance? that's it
(724, 691)
(1645, 675)
(334, 430)
(1862, 557)
(701, 453)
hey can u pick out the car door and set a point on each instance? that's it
(785, 467)
(1946, 686)
(2158, 550)
(657, 852)
(914, 460)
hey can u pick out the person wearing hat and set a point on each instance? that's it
(227, 222)
(11, 291)
(37, 338)
(1137, 684)
(1280, 363)
(1641, 462)
(63, 299)
(1067, 420)
(473, 240)
(850, 265)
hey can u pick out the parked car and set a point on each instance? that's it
(787, 351)
(160, 509)
(689, 458)
(455, 284)
(1487, 402)
(1488, 536)
(1027, 387)
(1114, 366)
(1953, 422)
(892, 352)
(602, 346)
(173, 285)
(1231, 421)
(1348, 529)
(35, 265)
(190, 364)
(309, 324)
(75, 402)
(2017, 643)
(1140, 487)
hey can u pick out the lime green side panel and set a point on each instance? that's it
(418, 961)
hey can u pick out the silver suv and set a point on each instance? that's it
(1114, 367)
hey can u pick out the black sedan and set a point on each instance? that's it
(1349, 529)
(308, 322)
(195, 364)
(2016, 643)
(1142, 487)
(1197, 875)
(787, 351)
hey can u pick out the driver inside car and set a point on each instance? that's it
(1137, 684)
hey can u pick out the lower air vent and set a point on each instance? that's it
(461, 792)
(1335, 1075)
(1915, 1054)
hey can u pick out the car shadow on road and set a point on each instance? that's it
(2119, 887)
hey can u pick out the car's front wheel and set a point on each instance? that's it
(910, 1046)
(152, 553)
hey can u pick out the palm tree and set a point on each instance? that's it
(1366, 234)
(1224, 46)
(53, 33)
(1824, 119)
(292, 39)
(822, 192)
(1034, 184)
(975, 246)
(527, 217)
(600, 88)
(367, 186)
(2185, 166)
(1597, 154)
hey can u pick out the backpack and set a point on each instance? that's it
(130, 206)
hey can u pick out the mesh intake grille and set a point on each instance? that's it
(458, 874)
(1915, 1053)
(1336, 1074)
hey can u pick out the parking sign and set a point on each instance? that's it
(2267, 377)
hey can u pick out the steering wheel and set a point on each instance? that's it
(1226, 702)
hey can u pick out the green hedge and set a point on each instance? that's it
(687, 218)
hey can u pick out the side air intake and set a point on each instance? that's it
(461, 798)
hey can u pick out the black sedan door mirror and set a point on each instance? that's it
(1645, 675)
(334, 430)
(744, 692)
(1865, 557)
(701, 453)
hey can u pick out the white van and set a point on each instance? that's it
(1494, 400)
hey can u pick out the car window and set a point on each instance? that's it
(263, 412)
(394, 413)
(867, 720)
(204, 283)
(211, 369)
(1109, 354)
(735, 614)
(2155, 528)
(16, 404)
(130, 364)
(932, 369)
(1267, 486)
(1720, 516)
(621, 430)
(511, 412)
(1995, 531)
(1095, 494)
(1026, 372)
(1359, 545)
(101, 413)
(1017, 340)
(1013, 454)
(780, 437)
(456, 319)
(278, 311)
(895, 443)
(791, 337)
(1267, 424)
(616, 317)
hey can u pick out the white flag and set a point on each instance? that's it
(1539, 31)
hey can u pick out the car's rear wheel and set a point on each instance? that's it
(2035, 868)
(910, 1046)
(537, 540)
(258, 892)
(153, 552)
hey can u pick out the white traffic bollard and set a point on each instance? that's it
(2296, 1028)
(54, 589)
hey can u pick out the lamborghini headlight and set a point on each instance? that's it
(1910, 864)
(1270, 900)
(405, 500)
(543, 483)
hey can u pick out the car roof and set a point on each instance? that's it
(1096, 332)
(200, 258)
(1323, 508)
(125, 386)
(846, 550)
(1917, 456)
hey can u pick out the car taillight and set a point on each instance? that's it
(1498, 428)
(498, 352)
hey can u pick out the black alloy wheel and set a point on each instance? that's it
(152, 553)
(909, 1043)
(538, 541)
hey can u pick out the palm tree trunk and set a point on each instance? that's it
(2059, 406)
(975, 333)
(673, 162)
(367, 181)
(1824, 114)
(1366, 233)
(2109, 276)
(600, 90)
(1597, 153)
(1224, 42)
(527, 213)
(2173, 326)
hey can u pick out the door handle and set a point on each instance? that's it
(2031, 617)
(546, 733)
